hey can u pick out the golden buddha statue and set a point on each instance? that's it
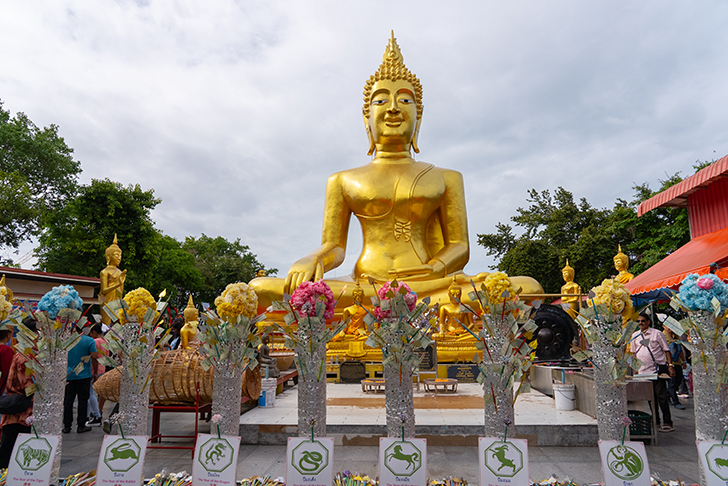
(355, 314)
(412, 214)
(621, 264)
(570, 287)
(6, 299)
(112, 279)
(188, 333)
(450, 317)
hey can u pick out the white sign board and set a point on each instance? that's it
(624, 464)
(714, 459)
(402, 462)
(216, 460)
(310, 462)
(503, 462)
(121, 461)
(32, 460)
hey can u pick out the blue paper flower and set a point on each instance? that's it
(697, 296)
(61, 297)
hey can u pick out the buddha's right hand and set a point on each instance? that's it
(307, 268)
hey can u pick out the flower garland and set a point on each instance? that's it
(499, 287)
(138, 302)
(698, 291)
(237, 299)
(613, 293)
(308, 295)
(387, 292)
(6, 300)
(61, 297)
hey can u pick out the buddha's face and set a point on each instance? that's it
(568, 275)
(115, 257)
(455, 295)
(392, 112)
(620, 264)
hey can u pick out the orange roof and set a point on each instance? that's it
(677, 195)
(693, 257)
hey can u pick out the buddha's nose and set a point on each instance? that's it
(393, 107)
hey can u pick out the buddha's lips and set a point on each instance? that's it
(393, 122)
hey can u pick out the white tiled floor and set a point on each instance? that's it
(531, 408)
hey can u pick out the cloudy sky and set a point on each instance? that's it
(236, 112)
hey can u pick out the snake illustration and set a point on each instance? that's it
(310, 457)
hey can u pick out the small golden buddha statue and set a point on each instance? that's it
(355, 313)
(112, 279)
(260, 272)
(570, 287)
(412, 214)
(188, 334)
(621, 264)
(450, 314)
(6, 299)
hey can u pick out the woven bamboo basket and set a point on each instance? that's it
(175, 378)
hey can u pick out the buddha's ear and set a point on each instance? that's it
(417, 134)
(370, 137)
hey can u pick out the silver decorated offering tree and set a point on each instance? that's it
(57, 320)
(398, 327)
(507, 342)
(602, 326)
(229, 340)
(135, 337)
(705, 300)
(311, 304)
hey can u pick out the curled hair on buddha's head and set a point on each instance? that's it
(393, 69)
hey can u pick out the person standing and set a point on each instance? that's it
(650, 347)
(96, 404)
(6, 357)
(79, 384)
(678, 359)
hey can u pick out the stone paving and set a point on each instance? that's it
(676, 456)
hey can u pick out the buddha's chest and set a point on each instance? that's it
(379, 193)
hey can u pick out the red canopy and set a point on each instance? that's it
(693, 257)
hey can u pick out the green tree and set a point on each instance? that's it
(221, 262)
(37, 176)
(76, 236)
(176, 273)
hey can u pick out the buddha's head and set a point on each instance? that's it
(113, 253)
(191, 313)
(392, 103)
(260, 272)
(568, 273)
(621, 261)
(358, 293)
(454, 291)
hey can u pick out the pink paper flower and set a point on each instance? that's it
(410, 298)
(626, 421)
(30, 420)
(705, 283)
(304, 298)
(216, 418)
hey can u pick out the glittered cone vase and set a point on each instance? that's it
(498, 412)
(133, 386)
(709, 397)
(398, 399)
(611, 398)
(48, 405)
(226, 396)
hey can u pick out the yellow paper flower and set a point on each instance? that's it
(5, 305)
(497, 283)
(138, 300)
(614, 292)
(237, 299)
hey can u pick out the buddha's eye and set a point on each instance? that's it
(378, 102)
(406, 100)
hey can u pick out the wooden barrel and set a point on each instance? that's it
(175, 378)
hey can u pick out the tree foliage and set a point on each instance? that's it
(220, 263)
(556, 228)
(37, 176)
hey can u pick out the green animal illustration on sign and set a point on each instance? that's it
(721, 462)
(124, 451)
(410, 459)
(310, 461)
(625, 462)
(499, 453)
(215, 453)
(41, 456)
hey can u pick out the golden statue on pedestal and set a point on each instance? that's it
(450, 318)
(570, 287)
(412, 214)
(112, 279)
(621, 264)
(189, 330)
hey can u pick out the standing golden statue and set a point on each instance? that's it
(570, 287)
(412, 214)
(621, 264)
(189, 330)
(112, 279)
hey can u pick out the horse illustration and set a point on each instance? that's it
(499, 453)
(408, 458)
(124, 451)
(214, 454)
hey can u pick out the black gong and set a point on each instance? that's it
(555, 333)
